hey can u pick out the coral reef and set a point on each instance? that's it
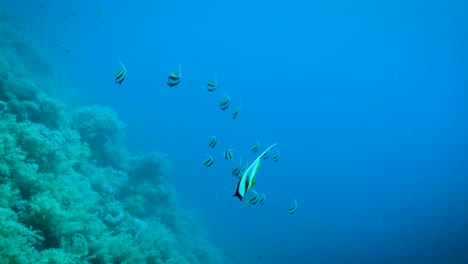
(69, 190)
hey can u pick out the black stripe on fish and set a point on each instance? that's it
(292, 209)
(172, 83)
(224, 104)
(211, 85)
(174, 76)
(211, 89)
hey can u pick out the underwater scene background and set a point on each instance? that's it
(103, 161)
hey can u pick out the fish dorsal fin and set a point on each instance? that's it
(266, 150)
(227, 96)
(121, 64)
(295, 202)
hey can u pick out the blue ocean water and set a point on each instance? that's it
(367, 101)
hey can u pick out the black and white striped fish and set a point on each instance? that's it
(237, 169)
(255, 146)
(293, 207)
(253, 198)
(212, 142)
(209, 161)
(225, 102)
(228, 154)
(121, 75)
(276, 156)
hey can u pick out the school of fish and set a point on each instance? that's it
(245, 173)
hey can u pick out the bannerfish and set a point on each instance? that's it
(212, 85)
(235, 113)
(212, 142)
(255, 147)
(209, 161)
(293, 207)
(174, 79)
(121, 74)
(261, 199)
(228, 154)
(276, 156)
(237, 169)
(253, 198)
(247, 180)
(225, 102)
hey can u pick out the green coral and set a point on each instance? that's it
(69, 190)
(102, 130)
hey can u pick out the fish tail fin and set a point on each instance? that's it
(238, 195)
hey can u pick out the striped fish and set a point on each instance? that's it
(209, 161)
(247, 180)
(255, 147)
(235, 113)
(253, 198)
(276, 156)
(261, 199)
(293, 207)
(236, 170)
(174, 79)
(266, 155)
(225, 102)
(212, 142)
(121, 74)
(229, 154)
(211, 85)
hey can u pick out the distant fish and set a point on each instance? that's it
(235, 113)
(212, 142)
(174, 79)
(255, 146)
(266, 155)
(237, 169)
(276, 156)
(247, 180)
(121, 74)
(229, 154)
(212, 85)
(225, 102)
(261, 199)
(293, 207)
(209, 161)
(253, 198)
